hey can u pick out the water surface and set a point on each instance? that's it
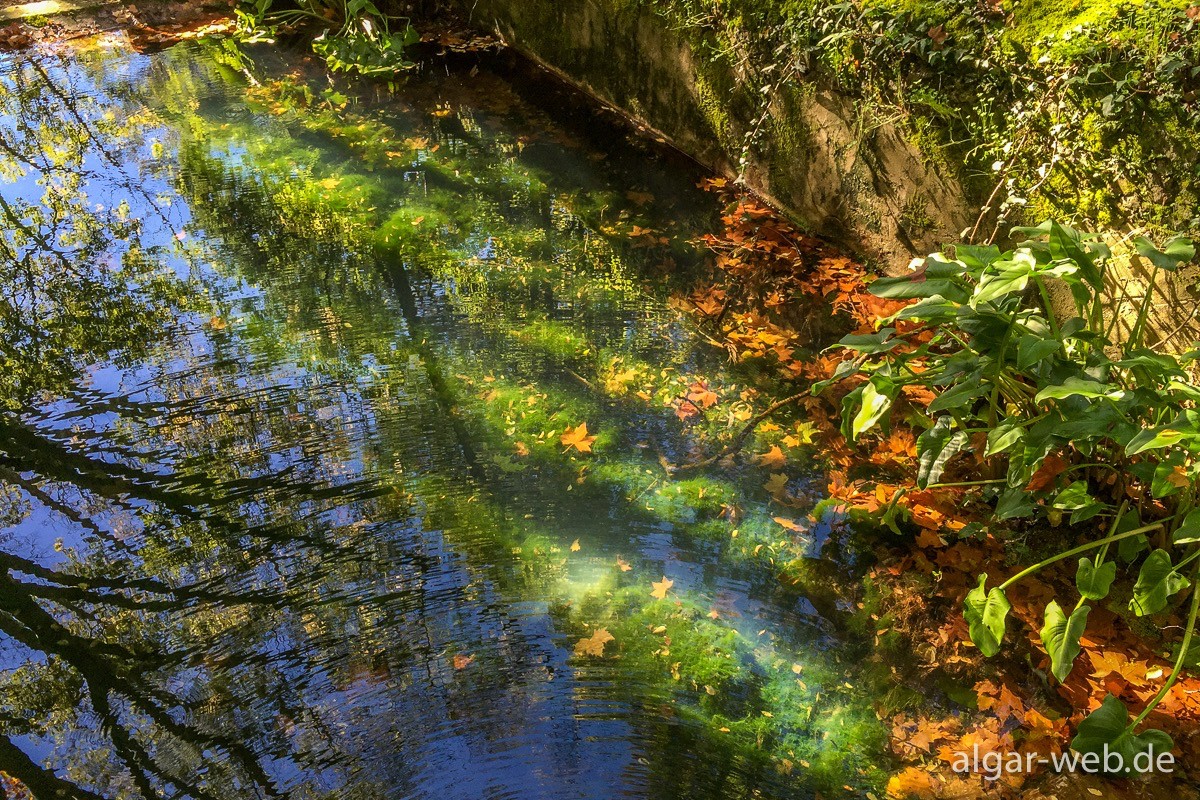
(286, 504)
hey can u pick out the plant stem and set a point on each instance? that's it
(1083, 548)
(1104, 550)
(965, 483)
(1179, 659)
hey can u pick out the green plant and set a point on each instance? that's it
(357, 38)
(1064, 420)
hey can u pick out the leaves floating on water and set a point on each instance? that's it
(578, 438)
(661, 587)
(594, 644)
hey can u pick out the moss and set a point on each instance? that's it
(712, 105)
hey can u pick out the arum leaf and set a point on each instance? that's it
(985, 612)
(1176, 251)
(1002, 437)
(1189, 530)
(874, 405)
(935, 447)
(1060, 637)
(1153, 439)
(1078, 387)
(995, 285)
(870, 342)
(1094, 581)
(1108, 725)
(1157, 581)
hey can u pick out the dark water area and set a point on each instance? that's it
(295, 498)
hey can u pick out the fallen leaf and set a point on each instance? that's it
(578, 438)
(594, 644)
(790, 524)
(1052, 466)
(661, 587)
(462, 661)
(623, 564)
(773, 458)
(777, 484)
(575, 546)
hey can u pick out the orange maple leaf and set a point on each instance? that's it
(773, 458)
(578, 438)
(661, 587)
(594, 644)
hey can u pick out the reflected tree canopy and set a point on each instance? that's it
(286, 508)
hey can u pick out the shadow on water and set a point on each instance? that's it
(287, 509)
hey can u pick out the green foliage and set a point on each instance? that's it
(1076, 422)
(357, 37)
(1109, 725)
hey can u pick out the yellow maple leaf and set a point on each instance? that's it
(805, 431)
(790, 524)
(594, 644)
(623, 564)
(578, 438)
(661, 587)
(575, 546)
(777, 485)
(773, 458)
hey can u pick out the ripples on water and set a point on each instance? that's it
(285, 508)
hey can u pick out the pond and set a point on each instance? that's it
(333, 453)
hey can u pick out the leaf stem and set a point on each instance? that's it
(1083, 548)
(1179, 659)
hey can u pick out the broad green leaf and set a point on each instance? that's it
(996, 285)
(1014, 502)
(1108, 725)
(985, 612)
(1156, 582)
(1153, 439)
(936, 276)
(935, 447)
(1094, 582)
(1075, 495)
(1060, 637)
(1132, 547)
(977, 256)
(1065, 243)
(1176, 251)
(879, 342)
(1031, 350)
(1002, 437)
(874, 405)
(1078, 387)
(958, 397)
(1188, 531)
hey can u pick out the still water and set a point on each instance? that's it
(295, 500)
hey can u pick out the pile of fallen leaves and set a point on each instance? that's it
(12, 788)
(761, 307)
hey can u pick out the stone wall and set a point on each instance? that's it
(823, 159)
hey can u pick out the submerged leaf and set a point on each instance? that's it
(594, 644)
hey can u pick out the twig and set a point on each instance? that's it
(739, 441)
